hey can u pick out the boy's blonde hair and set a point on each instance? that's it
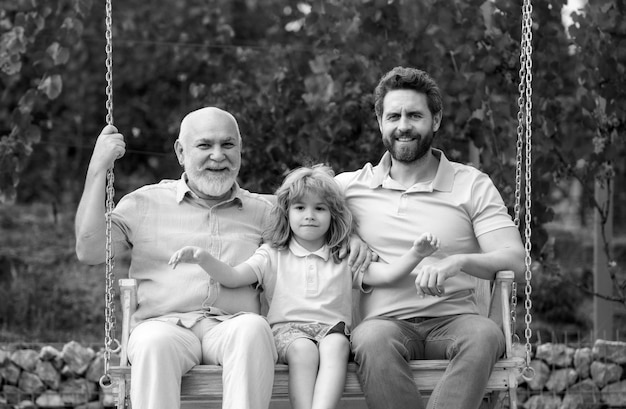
(317, 179)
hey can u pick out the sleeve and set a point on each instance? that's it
(343, 179)
(489, 212)
(357, 281)
(125, 220)
(261, 263)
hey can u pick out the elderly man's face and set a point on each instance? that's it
(209, 148)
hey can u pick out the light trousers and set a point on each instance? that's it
(161, 352)
(382, 348)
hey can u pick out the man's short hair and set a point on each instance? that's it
(408, 78)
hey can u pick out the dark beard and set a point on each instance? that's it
(409, 154)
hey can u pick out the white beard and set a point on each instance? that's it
(214, 184)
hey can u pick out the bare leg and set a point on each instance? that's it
(303, 360)
(331, 377)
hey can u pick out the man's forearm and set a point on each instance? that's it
(90, 223)
(486, 265)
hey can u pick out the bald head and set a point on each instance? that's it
(208, 119)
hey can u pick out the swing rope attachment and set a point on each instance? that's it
(524, 158)
(111, 345)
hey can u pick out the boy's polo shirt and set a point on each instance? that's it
(303, 286)
(156, 220)
(458, 205)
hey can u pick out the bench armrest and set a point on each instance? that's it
(128, 299)
(502, 297)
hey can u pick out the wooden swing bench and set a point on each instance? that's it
(204, 382)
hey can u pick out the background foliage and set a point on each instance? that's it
(299, 76)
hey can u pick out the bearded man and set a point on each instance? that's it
(183, 317)
(431, 314)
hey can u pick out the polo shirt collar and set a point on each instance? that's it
(443, 181)
(183, 189)
(299, 251)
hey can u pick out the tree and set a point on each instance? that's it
(598, 39)
(35, 44)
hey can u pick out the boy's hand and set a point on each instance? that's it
(188, 254)
(425, 245)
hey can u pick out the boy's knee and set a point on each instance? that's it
(336, 344)
(302, 351)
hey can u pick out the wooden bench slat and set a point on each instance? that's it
(204, 382)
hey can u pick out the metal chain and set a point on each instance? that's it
(110, 344)
(109, 62)
(527, 50)
(519, 160)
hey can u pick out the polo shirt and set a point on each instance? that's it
(156, 220)
(460, 204)
(303, 286)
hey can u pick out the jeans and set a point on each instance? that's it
(383, 346)
(161, 352)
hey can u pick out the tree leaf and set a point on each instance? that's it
(32, 134)
(83, 6)
(27, 101)
(59, 54)
(51, 86)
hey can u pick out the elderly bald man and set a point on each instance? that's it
(184, 318)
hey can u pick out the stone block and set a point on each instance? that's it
(583, 395)
(561, 379)
(77, 357)
(559, 355)
(30, 383)
(582, 361)
(25, 359)
(10, 373)
(48, 374)
(543, 402)
(610, 351)
(605, 373)
(50, 399)
(614, 394)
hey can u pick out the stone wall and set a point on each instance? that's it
(565, 377)
(576, 378)
(51, 378)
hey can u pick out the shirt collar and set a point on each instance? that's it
(299, 251)
(443, 181)
(183, 189)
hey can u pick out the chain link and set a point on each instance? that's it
(110, 344)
